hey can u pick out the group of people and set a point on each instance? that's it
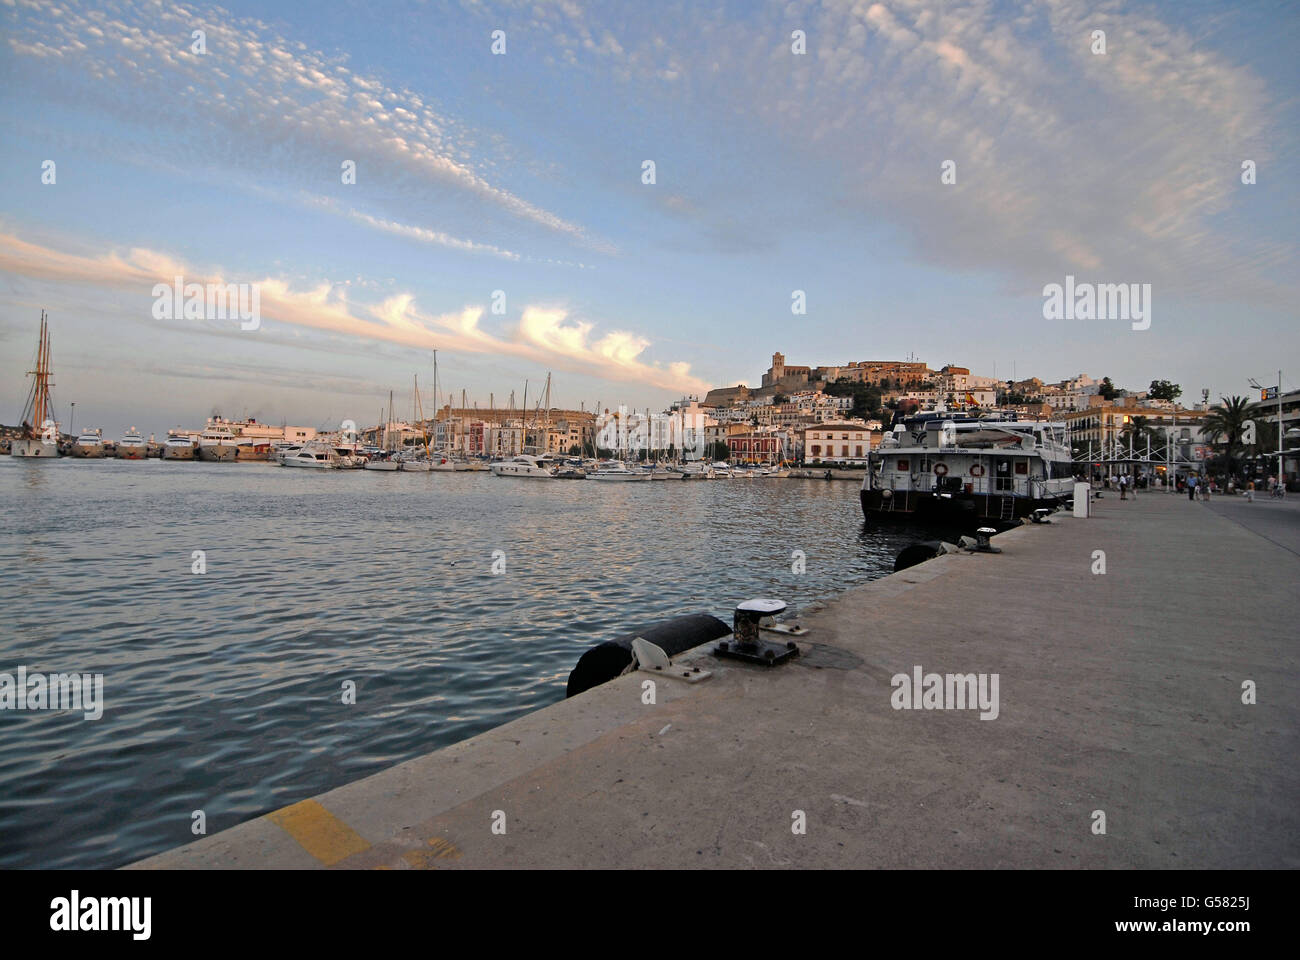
(1197, 487)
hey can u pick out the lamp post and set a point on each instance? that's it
(1257, 386)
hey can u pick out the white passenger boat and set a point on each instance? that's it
(525, 467)
(89, 445)
(132, 446)
(218, 445)
(964, 469)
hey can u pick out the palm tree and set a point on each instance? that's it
(1136, 431)
(1224, 425)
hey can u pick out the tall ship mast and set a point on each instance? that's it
(40, 431)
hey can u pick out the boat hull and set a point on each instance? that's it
(132, 453)
(35, 449)
(177, 453)
(416, 466)
(87, 451)
(388, 466)
(218, 452)
(977, 509)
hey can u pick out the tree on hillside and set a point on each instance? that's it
(1164, 390)
(1107, 389)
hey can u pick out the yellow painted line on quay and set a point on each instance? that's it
(319, 832)
(443, 849)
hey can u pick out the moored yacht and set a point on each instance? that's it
(524, 466)
(615, 471)
(179, 448)
(217, 443)
(312, 455)
(381, 461)
(89, 445)
(132, 446)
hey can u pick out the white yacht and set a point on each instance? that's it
(615, 471)
(89, 444)
(217, 443)
(132, 446)
(179, 448)
(311, 455)
(382, 462)
(410, 463)
(524, 466)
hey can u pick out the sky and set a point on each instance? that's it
(499, 213)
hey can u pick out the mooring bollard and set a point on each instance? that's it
(747, 642)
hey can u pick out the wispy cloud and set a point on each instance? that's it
(1119, 163)
(545, 335)
(257, 90)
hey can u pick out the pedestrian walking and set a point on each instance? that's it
(1191, 488)
(1250, 491)
(1123, 488)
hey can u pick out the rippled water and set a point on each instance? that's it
(223, 690)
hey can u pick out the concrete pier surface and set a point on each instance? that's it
(1119, 693)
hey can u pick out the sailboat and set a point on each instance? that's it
(416, 463)
(40, 431)
(385, 461)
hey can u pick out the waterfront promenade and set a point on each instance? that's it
(1119, 692)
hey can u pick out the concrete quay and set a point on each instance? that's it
(1119, 692)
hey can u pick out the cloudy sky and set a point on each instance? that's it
(522, 173)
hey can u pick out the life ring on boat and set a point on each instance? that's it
(886, 494)
(940, 469)
(976, 470)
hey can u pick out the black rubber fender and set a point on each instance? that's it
(607, 660)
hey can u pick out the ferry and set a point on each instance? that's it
(951, 468)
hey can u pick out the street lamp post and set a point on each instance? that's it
(1257, 386)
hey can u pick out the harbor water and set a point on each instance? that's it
(453, 602)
